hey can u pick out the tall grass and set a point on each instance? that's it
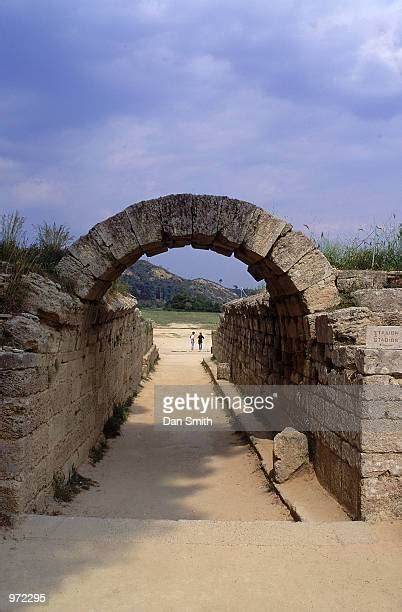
(49, 245)
(378, 248)
(20, 257)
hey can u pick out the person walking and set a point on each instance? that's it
(192, 340)
(200, 339)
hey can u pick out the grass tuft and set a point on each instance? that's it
(97, 452)
(65, 490)
(112, 427)
(20, 258)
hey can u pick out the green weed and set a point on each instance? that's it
(65, 490)
(111, 428)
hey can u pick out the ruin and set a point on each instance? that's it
(75, 350)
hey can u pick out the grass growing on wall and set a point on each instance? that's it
(378, 248)
(21, 257)
(119, 416)
(64, 490)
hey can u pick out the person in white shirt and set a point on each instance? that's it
(192, 340)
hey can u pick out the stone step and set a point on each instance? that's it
(84, 563)
(222, 533)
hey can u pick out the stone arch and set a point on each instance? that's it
(299, 277)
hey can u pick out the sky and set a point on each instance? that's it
(295, 106)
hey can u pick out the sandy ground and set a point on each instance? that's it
(94, 565)
(175, 338)
(98, 563)
(153, 474)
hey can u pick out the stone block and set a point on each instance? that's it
(205, 211)
(262, 233)
(346, 326)
(177, 220)
(379, 361)
(10, 360)
(146, 221)
(381, 498)
(343, 356)
(84, 284)
(96, 257)
(307, 271)
(290, 453)
(11, 459)
(288, 250)
(10, 499)
(379, 300)
(234, 219)
(321, 296)
(20, 416)
(117, 235)
(350, 280)
(381, 464)
(21, 383)
(381, 436)
(223, 371)
(46, 301)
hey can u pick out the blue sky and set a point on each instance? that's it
(296, 106)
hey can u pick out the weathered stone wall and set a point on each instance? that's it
(362, 469)
(64, 364)
(352, 280)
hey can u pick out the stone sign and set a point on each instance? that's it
(386, 336)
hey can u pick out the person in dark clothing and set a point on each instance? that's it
(200, 339)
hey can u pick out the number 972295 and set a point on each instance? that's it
(27, 598)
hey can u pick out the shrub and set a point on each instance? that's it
(196, 302)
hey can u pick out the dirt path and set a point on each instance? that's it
(151, 474)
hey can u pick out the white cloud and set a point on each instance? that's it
(38, 191)
(295, 105)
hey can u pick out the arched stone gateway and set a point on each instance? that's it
(66, 361)
(299, 277)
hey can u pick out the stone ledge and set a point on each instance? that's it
(305, 498)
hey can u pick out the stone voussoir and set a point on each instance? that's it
(234, 219)
(262, 233)
(146, 222)
(118, 236)
(177, 220)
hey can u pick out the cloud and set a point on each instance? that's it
(296, 106)
(37, 191)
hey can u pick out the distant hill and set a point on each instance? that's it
(154, 286)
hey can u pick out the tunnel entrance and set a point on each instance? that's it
(79, 352)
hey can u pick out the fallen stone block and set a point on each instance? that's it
(290, 453)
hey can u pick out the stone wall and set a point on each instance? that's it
(64, 364)
(362, 468)
(352, 280)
